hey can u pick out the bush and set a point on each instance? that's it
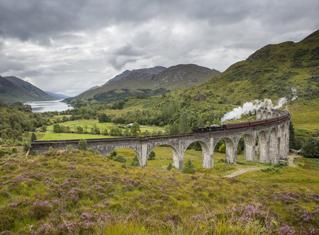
(189, 167)
(119, 159)
(152, 156)
(33, 137)
(135, 161)
(311, 148)
(57, 128)
(170, 166)
(103, 118)
(79, 129)
(40, 209)
(83, 145)
(112, 155)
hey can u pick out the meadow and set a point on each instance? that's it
(87, 125)
(78, 192)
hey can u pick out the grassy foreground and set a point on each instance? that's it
(85, 193)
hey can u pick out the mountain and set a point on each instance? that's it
(56, 95)
(13, 89)
(149, 81)
(287, 69)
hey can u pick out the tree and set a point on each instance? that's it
(135, 161)
(292, 137)
(170, 166)
(79, 129)
(103, 118)
(311, 148)
(33, 137)
(135, 129)
(189, 167)
(57, 128)
(152, 155)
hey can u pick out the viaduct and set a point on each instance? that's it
(265, 140)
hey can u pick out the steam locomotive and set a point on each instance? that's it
(241, 125)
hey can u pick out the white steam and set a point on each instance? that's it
(253, 106)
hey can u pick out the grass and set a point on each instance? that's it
(305, 115)
(85, 193)
(89, 124)
(66, 136)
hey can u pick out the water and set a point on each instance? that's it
(48, 106)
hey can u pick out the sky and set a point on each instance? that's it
(69, 46)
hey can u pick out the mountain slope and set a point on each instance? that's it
(56, 95)
(274, 71)
(13, 89)
(149, 81)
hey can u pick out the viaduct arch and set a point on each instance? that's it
(270, 131)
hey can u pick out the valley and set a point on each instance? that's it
(224, 181)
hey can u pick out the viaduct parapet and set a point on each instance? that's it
(265, 140)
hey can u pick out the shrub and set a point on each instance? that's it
(33, 137)
(135, 161)
(83, 145)
(112, 155)
(170, 166)
(152, 156)
(57, 128)
(103, 118)
(119, 159)
(79, 129)
(40, 209)
(311, 148)
(189, 167)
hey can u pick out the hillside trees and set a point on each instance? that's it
(15, 120)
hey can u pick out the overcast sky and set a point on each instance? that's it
(68, 46)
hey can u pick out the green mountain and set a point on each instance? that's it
(13, 89)
(148, 82)
(279, 70)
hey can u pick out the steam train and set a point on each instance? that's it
(241, 125)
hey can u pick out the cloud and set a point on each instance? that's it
(69, 46)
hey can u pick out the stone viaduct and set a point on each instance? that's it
(265, 140)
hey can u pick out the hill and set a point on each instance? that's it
(286, 69)
(57, 95)
(148, 82)
(13, 89)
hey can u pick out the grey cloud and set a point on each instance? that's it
(59, 43)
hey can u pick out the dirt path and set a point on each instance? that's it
(239, 172)
(242, 171)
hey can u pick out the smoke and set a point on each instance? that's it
(252, 107)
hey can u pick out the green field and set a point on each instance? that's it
(305, 115)
(67, 136)
(89, 124)
(85, 193)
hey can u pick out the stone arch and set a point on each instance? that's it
(263, 142)
(134, 149)
(177, 155)
(231, 148)
(207, 152)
